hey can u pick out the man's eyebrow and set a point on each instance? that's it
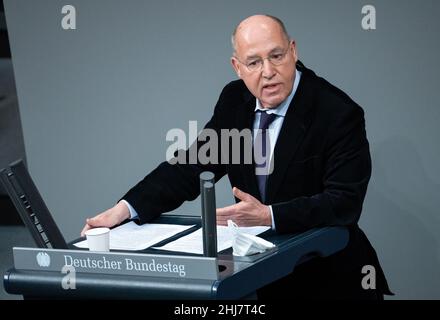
(276, 49)
(254, 56)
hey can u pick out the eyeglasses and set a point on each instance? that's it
(256, 64)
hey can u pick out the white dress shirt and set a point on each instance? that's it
(275, 127)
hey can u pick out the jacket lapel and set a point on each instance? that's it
(295, 126)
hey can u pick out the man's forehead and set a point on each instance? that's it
(249, 33)
(257, 37)
(266, 46)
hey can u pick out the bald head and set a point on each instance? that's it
(257, 25)
(264, 58)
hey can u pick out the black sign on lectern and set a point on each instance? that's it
(31, 207)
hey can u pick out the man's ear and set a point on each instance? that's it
(236, 65)
(293, 48)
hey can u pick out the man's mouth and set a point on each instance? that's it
(271, 88)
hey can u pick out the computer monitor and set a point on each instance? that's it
(31, 207)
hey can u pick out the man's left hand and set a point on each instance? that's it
(247, 213)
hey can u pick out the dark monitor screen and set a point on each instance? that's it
(31, 207)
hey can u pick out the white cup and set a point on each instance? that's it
(98, 239)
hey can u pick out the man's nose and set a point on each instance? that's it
(268, 69)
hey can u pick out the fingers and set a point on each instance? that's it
(243, 196)
(222, 222)
(108, 218)
(245, 213)
(101, 220)
(223, 215)
(236, 212)
(91, 223)
(86, 227)
(228, 213)
(240, 212)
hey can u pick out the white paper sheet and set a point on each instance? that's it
(131, 236)
(193, 242)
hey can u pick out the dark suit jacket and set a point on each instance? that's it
(321, 171)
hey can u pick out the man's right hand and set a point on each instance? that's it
(108, 218)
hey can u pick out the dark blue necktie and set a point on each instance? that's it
(262, 149)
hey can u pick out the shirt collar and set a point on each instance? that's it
(281, 110)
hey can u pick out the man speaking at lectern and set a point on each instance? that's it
(320, 156)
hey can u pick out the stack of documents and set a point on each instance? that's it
(131, 236)
(193, 242)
